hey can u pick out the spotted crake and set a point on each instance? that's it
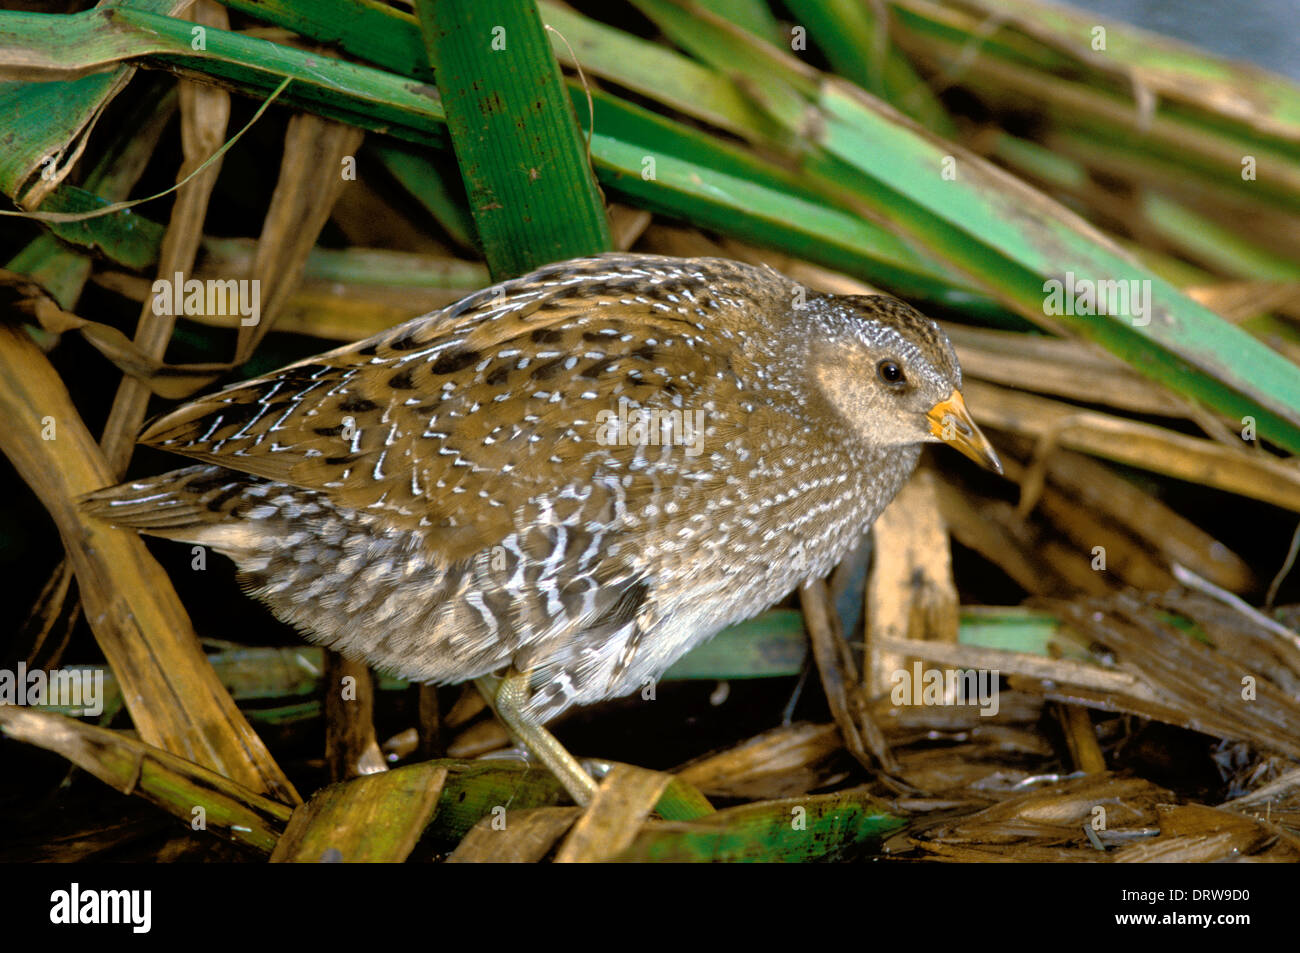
(576, 475)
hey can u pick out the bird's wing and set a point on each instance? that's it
(453, 421)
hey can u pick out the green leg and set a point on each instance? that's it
(507, 696)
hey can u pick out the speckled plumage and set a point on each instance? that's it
(439, 500)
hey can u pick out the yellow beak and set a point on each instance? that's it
(950, 421)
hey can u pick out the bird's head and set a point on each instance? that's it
(891, 373)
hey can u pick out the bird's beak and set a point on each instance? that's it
(950, 421)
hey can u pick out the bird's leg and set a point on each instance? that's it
(507, 696)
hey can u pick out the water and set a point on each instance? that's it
(1263, 32)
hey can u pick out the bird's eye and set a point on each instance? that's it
(890, 372)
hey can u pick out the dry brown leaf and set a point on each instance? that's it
(1195, 833)
(1259, 476)
(521, 837)
(910, 589)
(478, 739)
(1209, 690)
(375, 819)
(862, 736)
(610, 823)
(1125, 557)
(175, 699)
(310, 180)
(350, 744)
(1062, 367)
(1097, 488)
(129, 766)
(782, 762)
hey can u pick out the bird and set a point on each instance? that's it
(563, 482)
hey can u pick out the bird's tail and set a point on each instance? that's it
(173, 504)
